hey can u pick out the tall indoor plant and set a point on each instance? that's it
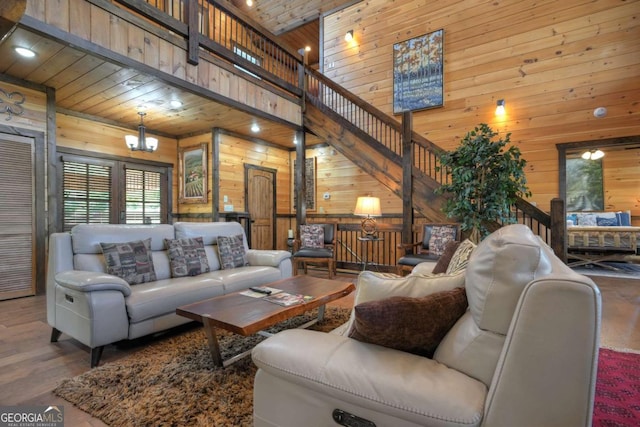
(486, 178)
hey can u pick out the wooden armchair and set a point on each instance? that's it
(434, 239)
(315, 245)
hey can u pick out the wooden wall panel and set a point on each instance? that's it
(235, 152)
(34, 108)
(345, 182)
(553, 63)
(82, 134)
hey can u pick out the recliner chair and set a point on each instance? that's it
(524, 354)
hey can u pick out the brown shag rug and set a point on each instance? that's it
(173, 382)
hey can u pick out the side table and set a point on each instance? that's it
(365, 244)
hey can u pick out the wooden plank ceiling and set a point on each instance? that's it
(89, 86)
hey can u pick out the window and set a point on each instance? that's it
(103, 191)
(86, 193)
(143, 197)
(246, 55)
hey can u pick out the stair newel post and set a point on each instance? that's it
(407, 178)
(300, 180)
(193, 31)
(558, 229)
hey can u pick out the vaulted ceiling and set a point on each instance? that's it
(90, 86)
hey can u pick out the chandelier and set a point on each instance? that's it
(141, 142)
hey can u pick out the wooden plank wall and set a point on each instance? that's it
(83, 134)
(34, 108)
(553, 63)
(118, 35)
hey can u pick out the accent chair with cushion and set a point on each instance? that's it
(518, 348)
(430, 247)
(316, 245)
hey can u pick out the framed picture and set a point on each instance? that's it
(418, 73)
(192, 170)
(585, 189)
(310, 195)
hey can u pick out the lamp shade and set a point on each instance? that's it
(368, 206)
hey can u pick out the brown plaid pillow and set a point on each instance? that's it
(312, 236)
(231, 251)
(440, 235)
(187, 256)
(131, 261)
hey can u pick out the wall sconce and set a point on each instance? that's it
(592, 155)
(349, 36)
(141, 142)
(368, 207)
(500, 111)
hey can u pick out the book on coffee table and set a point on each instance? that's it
(286, 299)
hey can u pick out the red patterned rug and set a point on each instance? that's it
(617, 402)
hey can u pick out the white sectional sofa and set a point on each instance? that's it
(97, 308)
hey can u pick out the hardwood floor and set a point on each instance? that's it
(31, 366)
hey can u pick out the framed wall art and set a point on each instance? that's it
(192, 170)
(418, 73)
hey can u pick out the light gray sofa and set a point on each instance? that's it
(97, 308)
(524, 353)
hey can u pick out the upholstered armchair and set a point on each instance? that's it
(523, 353)
(429, 248)
(315, 245)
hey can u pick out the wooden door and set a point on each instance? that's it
(260, 200)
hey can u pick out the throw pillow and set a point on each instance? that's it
(440, 235)
(130, 261)
(586, 219)
(187, 256)
(231, 251)
(414, 325)
(607, 222)
(375, 286)
(624, 219)
(445, 258)
(312, 236)
(460, 258)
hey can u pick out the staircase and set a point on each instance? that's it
(373, 141)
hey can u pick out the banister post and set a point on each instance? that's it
(559, 229)
(407, 178)
(193, 30)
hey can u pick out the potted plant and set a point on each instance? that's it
(486, 178)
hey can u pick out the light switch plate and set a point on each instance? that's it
(228, 208)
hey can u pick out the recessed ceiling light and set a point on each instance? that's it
(255, 128)
(175, 103)
(307, 48)
(23, 51)
(249, 3)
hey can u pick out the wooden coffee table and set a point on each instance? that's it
(246, 316)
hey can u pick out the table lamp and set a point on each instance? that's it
(368, 207)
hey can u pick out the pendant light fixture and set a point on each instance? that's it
(141, 142)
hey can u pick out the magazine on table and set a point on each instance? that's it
(286, 299)
(260, 291)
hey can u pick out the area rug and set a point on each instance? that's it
(617, 402)
(174, 383)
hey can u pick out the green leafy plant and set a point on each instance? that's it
(485, 180)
